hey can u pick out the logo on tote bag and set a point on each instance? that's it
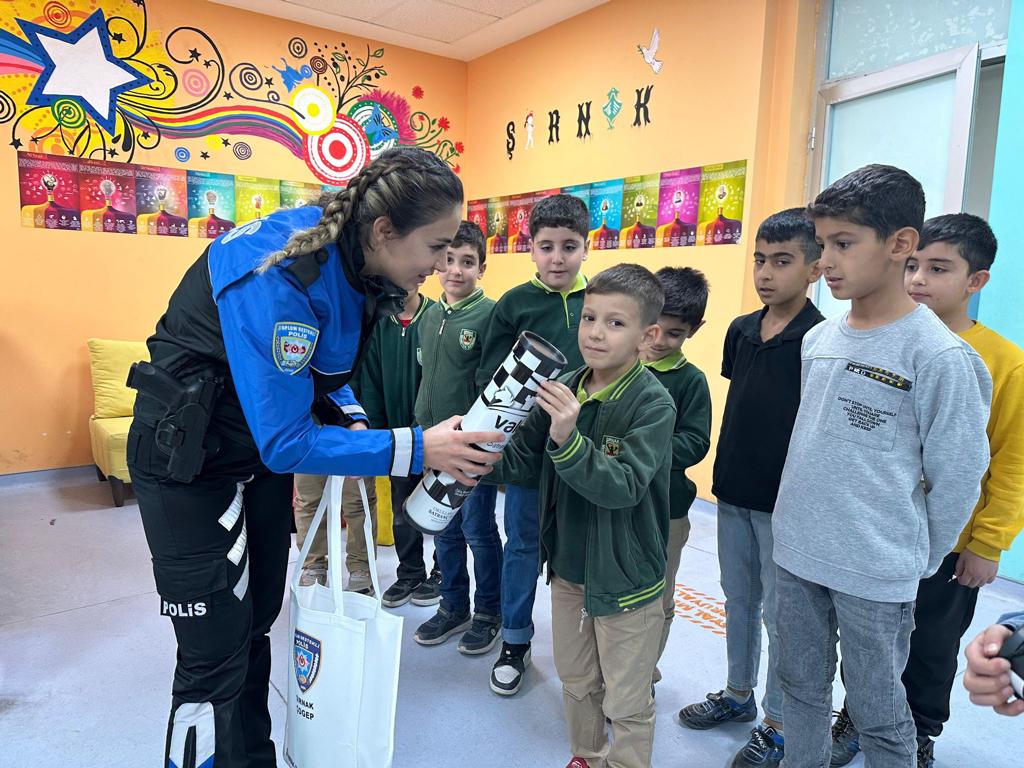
(307, 660)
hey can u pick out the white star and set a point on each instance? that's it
(82, 69)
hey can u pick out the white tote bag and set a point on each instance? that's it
(343, 686)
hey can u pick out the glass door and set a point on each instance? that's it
(917, 116)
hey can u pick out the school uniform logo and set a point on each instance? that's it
(467, 338)
(307, 660)
(612, 446)
(293, 346)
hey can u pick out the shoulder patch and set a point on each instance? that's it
(293, 346)
(467, 338)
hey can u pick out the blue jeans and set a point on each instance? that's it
(522, 563)
(473, 525)
(748, 580)
(875, 640)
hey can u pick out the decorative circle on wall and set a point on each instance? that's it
(318, 64)
(378, 124)
(249, 77)
(57, 14)
(297, 47)
(182, 155)
(195, 82)
(68, 113)
(338, 155)
(315, 107)
(242, 150)
(8, 109)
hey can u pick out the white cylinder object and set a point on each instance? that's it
(503, 405)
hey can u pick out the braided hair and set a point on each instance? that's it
(410, 186)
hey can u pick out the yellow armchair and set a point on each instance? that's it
(108, 426)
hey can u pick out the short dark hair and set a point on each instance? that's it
(791, 224)
(882, 197)
(686, 293)
(971, 234)
(560, 211)
(634, 281)
(470, 234)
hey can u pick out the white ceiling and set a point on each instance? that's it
(459, 29)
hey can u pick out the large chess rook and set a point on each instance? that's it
(504, 403)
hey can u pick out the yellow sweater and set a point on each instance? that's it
(999, 514)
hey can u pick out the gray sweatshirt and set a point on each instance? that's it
(886, 458)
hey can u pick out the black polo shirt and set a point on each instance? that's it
(764, 395)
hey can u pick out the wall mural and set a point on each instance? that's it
(102, 84)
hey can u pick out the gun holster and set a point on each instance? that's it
(183, 417)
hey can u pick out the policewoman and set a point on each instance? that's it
(248, 384)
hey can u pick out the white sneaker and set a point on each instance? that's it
(313, 574)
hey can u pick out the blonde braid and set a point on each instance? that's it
(336, 215)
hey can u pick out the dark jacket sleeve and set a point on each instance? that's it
(496, 343)
(692, 437)
(523, 455)
(729, 349)
(371, 382)
(618, 481)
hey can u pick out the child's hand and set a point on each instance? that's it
(559, 402)
(988, 676)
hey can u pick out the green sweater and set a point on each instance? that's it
(604, 494)
(389, 373)
(691, 440)
(451, 338)
(533, 307)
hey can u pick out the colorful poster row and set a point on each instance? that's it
(119, 198)
(692, 206)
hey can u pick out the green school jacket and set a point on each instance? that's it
(604, 494)
(451, 337)
(389, 373)
(533, 307)
(691, 440)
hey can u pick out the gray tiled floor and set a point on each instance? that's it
(85, 660)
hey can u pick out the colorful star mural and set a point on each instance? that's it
(104, 84)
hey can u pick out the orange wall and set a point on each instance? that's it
(61, 288)
(734, 72)
(736, 84)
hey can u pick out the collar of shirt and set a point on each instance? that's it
(578, 285)
(465, 303)
(613, 391)
(668, 363)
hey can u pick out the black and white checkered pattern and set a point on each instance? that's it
(511, 393)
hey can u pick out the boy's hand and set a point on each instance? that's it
(974, 571)
(988, 676)
(559, 402)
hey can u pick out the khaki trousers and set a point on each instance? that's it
(605, 665)
(308, 491)
(678, 534)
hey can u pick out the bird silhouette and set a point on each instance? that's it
(651, 51)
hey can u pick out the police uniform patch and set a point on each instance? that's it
(467, 338)
(612, 446)
(307, 660)
(293, 346)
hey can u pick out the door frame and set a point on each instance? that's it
(964, 62)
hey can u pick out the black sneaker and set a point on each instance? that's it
(507, 675)
(443, 625)
(481, 636)
(845, 739)
(715, 710)
(765, 749)
(429, 592)
(926, 754)
(400, 592)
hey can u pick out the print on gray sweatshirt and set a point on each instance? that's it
(886, 458)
